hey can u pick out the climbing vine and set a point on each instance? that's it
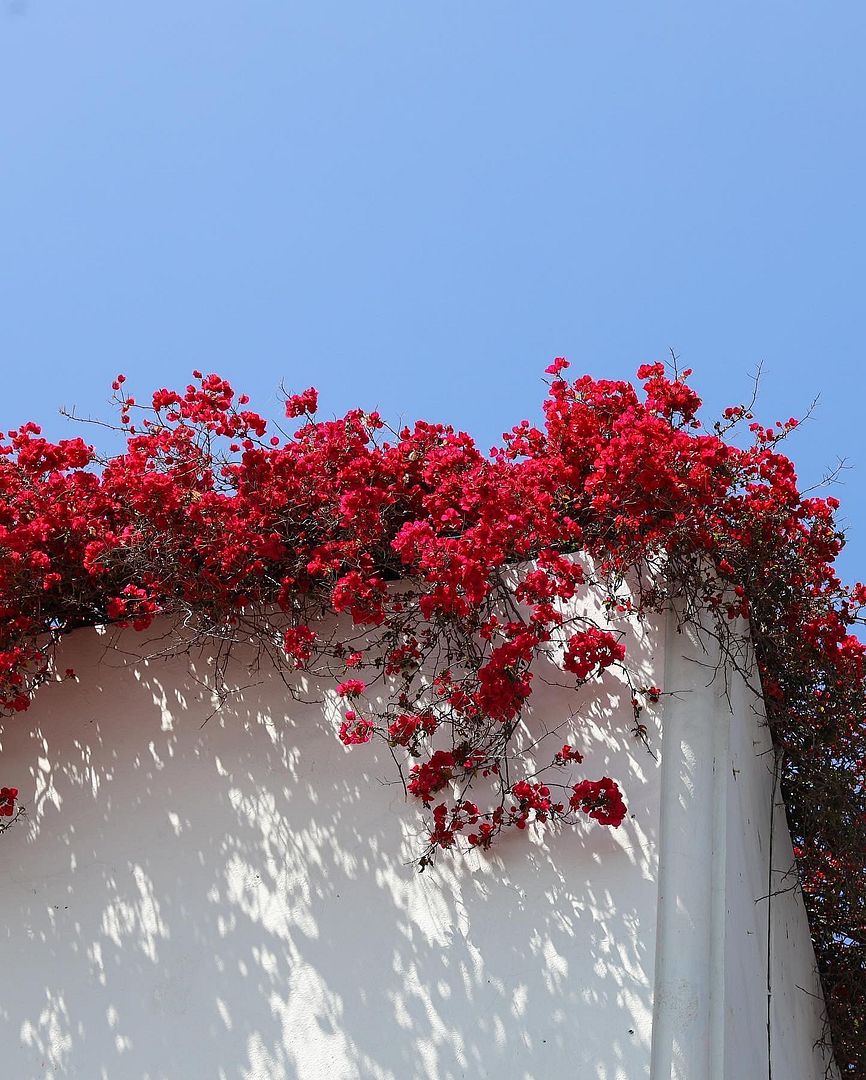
(427, 578)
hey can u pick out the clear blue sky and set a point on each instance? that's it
(416, 206)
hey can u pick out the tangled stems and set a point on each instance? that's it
(426, 579)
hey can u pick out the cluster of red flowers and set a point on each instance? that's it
(355, 729)
(448, 574)
(602, 800)
(589, 651)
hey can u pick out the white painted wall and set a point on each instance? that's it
(233, 901)
(763, 897)
(728, 1004)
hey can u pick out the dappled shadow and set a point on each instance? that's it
(235, 900)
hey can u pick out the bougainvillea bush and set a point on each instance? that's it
(450, 572)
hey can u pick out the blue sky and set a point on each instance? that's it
(417, 206)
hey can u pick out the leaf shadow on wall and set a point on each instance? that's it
(235, 900)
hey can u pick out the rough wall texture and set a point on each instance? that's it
(736, 993)
(233, 900)
(775, 1016)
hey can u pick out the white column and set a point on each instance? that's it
(688, 1007)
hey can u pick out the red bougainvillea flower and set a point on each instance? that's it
(355, 729)
(589, 651)
(351, 688)
(601, 799)
(402, 730)
(297, 644)
(298, 404)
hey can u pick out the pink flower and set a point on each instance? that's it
(355, 730)
(351, 688)
(8, 795)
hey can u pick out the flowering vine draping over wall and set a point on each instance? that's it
(409, 560)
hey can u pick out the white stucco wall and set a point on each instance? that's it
(776, 1017)
(234, 900)
(736, 992)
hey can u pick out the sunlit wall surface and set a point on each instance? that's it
(231, 895)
